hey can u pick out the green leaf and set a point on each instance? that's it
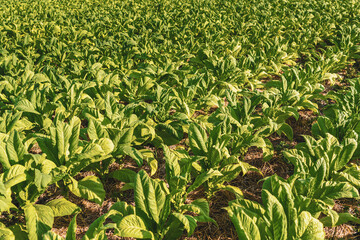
(106, 145)
(197, 139)
(4, 160)
(171, 134)
(125, 136)
(15, 175)
(189, 222)
(142, 133)
(323, 125)
(342, 218)
(62, 207)
(275, 214)
(336, 190)
(286, 130)
(71, 232)
(245, 225)
(133, 226)
(97, 229)
(203, 211)
(233, 189)
(39, 220)
(124, 175)
(15, 148)
(5, 198)
(42, 180)
(47, 148)
(123, 208)
(95, 131)
(26, 106)
(346, 154)
(350, 174)
(131, 152)
(252, 206)
(75, 124)
(309, 228)
(14, 119)
(153, 199)
(89, 188)
(203, 177)
(18, 231)
(142, 182)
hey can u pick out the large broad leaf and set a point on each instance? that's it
(233, 189)
(346, 154)
(282, 190)
(42, 180)
(62, 207)
(89, 188)
(47, 147)
(133, 226)
(197, 139)
(12, 123)
(39, 220)
(142, 133)
(172, 164)
(250, 206)
(15, 148)
(123, 136)
(149, 197)
(95, 131)
(4, 160)
(75, 124)
(26, 106)
(106, 145)
(61, 137)
(275, 215)
(124, 175)
(245, 225)
(309, 228)
(142, 182)
(231, 171)
(16, 174)
(189, 222)
(5, 198)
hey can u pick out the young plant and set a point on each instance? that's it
(158, 213)
(277, 218)
(327, 156)
(212, 155)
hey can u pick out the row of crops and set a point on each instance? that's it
(167, 100)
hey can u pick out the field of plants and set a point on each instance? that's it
(186, 119)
